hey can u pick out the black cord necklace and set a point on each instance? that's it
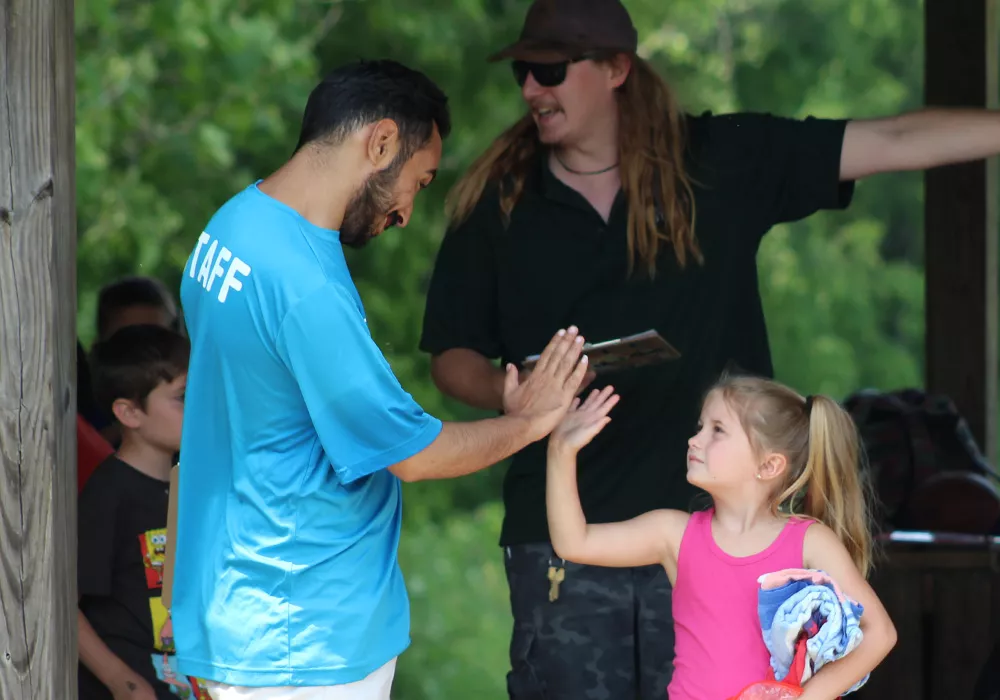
(582, 172)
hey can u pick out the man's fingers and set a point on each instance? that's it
(565, 355)
(570, 363)
(543, 358)
(510, 380)
(556, 348)
(574, 369)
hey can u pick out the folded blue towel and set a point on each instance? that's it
(814, 609)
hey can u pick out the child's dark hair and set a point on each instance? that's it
(825, 479)
(134, 361)
(132, 291)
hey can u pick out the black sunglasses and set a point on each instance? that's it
(546, 74)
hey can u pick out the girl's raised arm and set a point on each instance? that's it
(651, 538)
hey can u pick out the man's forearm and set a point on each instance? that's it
(940, 136)
(95, 655)
(919, 140)
(469, 377)
(464, 448)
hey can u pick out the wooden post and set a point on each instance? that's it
(960, 209)
(38, 649)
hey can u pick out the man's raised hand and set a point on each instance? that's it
(544, 397)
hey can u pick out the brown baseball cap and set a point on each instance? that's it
(559, 30)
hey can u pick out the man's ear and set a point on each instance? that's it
(383, 144)
(127, 413)
(621, 66)
(774, 467)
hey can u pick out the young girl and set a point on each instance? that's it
(761, 452)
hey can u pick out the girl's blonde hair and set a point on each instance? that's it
(653, 173)
(825, 479)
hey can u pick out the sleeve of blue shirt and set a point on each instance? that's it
(364, 418)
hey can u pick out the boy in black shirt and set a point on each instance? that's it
(139, 378)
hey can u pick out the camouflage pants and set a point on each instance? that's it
(608, 636)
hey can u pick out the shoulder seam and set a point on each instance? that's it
(334, 284)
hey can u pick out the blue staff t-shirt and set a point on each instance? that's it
(288, 520)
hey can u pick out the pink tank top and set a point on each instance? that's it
(719, 645)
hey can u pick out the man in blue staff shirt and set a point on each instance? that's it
(297, 434)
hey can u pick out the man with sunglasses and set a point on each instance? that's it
(607, 207)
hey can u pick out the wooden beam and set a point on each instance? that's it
(960, 208)
(38, 650)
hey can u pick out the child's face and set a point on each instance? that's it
(160, 424)
(719, 454)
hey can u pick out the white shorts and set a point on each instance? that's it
(375, 686)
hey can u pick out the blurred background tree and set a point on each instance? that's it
(180, 105)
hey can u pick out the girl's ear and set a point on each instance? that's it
(774, 467)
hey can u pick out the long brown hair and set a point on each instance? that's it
(825, 479)
(653, 174)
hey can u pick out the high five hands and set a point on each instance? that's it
(583, 421)
(548, 392)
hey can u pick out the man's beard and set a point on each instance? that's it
(371, 205)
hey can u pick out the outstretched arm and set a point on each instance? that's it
(823, 550)
(918, 141)
(647, 539)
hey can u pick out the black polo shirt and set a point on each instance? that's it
(504, 291)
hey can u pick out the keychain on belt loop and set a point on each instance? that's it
(557, 574)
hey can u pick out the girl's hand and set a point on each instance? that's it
(584, 420)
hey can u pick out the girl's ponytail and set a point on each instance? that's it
(835, 492)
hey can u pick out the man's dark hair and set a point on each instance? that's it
(133, 362)
(132, 291)
(362, 93)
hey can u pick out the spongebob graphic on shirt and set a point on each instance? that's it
(153, 544)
